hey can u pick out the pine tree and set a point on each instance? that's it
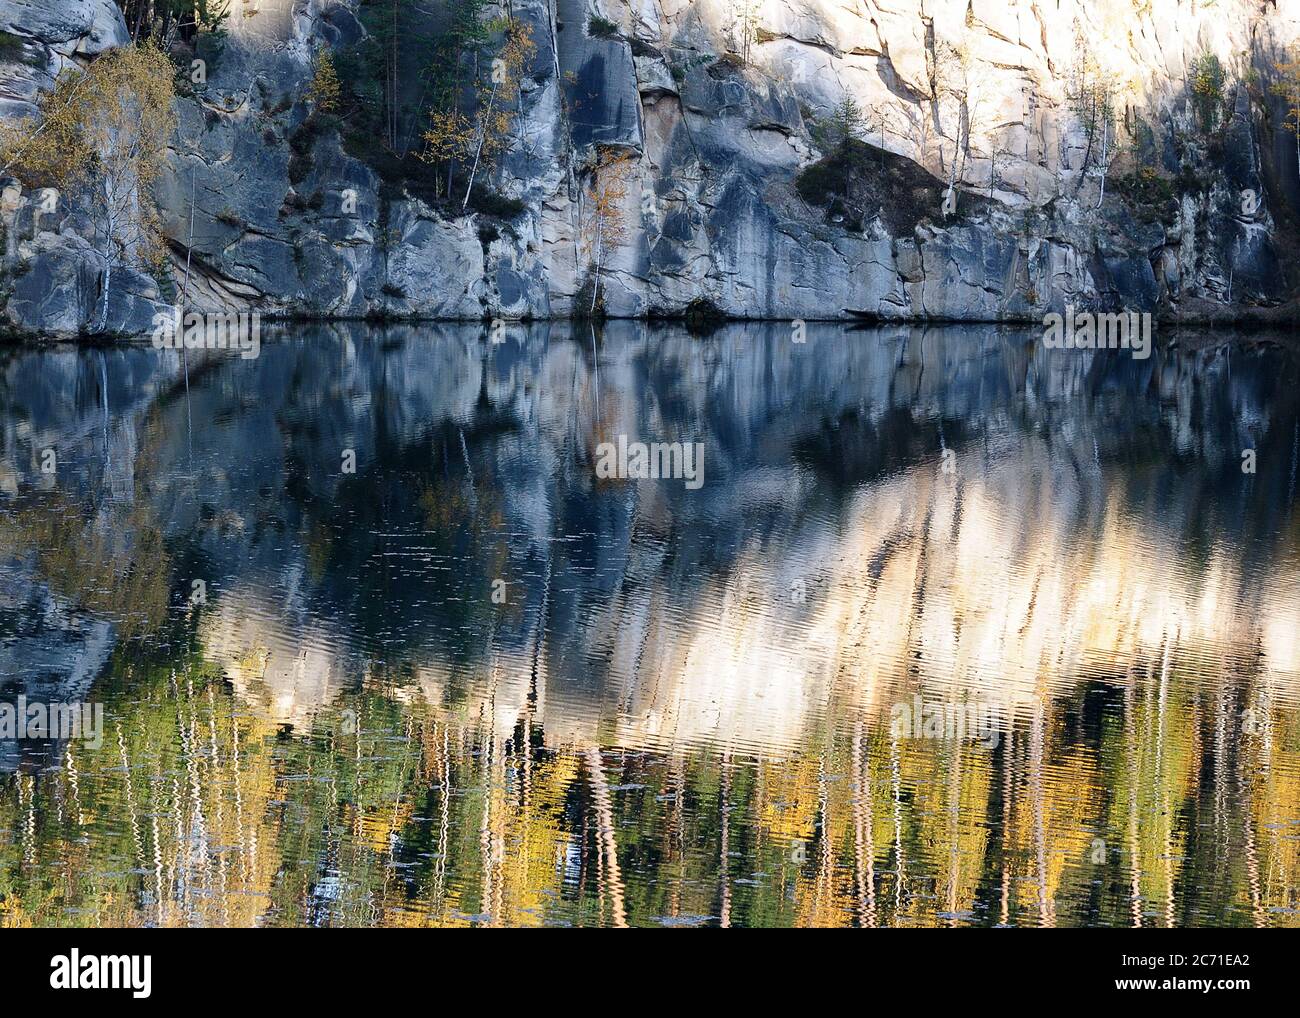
(848, 123)
(1288, 87)
(324, 89)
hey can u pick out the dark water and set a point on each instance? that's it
(682, 706)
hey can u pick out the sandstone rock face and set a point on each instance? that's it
(68, 26)
(40, 39)
(52, 279)
(720, 106)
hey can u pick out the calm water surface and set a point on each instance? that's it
(678, 711)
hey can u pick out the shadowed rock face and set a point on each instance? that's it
(599, 81)
(717, 143)
(42, 36)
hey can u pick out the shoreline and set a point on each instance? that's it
(1282, 317)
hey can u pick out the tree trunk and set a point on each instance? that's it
(1087, 153)
(478, 149)
(102, 317)
(189, 249)
(595, 286)
(951, 194)
(189, 242)
(604, 804)
(1105, 161)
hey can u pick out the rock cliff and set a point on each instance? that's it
(976, 191)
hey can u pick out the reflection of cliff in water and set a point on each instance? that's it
(49, 654)
(1098, 522)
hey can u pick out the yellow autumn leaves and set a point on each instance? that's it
(102, 131)
(324, 90)
(453, 137)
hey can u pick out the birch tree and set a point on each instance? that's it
(1091, 93)
(497, 104)
(101, 134)
(956, 75)
(604, 226)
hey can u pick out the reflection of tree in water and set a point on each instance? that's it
(472, 765)
(116, 566)
(401, 813)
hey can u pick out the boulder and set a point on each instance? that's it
(56, 292)
(86, 27)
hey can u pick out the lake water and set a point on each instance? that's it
(956, 630)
